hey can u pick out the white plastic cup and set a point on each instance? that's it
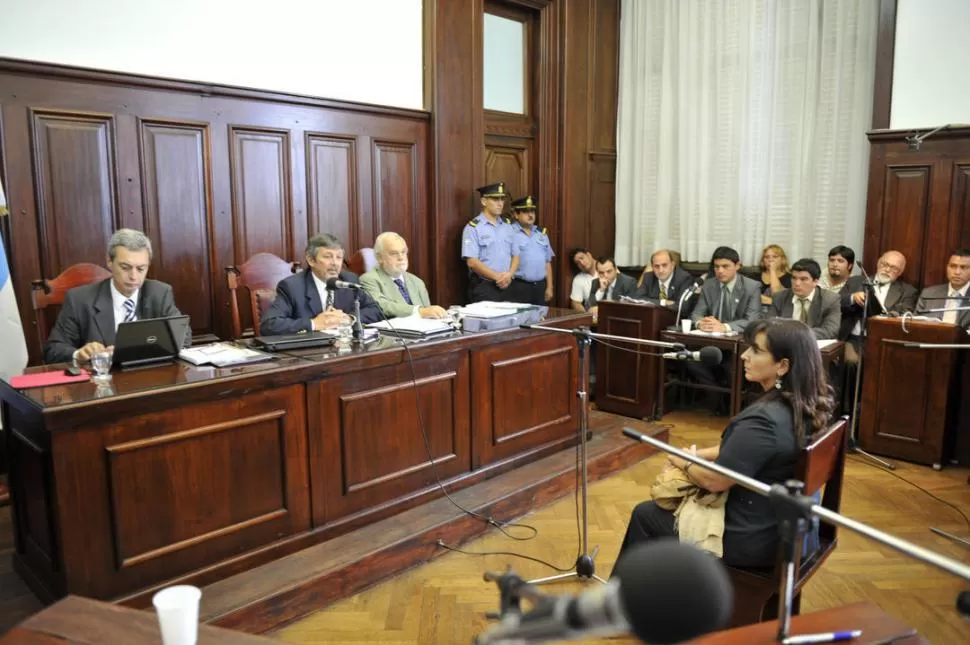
(178, 614)
(685, 325)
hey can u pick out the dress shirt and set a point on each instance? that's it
(796, 312)
(118, 304)
(952, 315)
(400, 276)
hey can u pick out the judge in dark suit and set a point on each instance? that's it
(808, 302)
(950, 295)
(610, 284)
(667, 282)
(91, 314)
(728, 300)
(888, 291)
(303, 302)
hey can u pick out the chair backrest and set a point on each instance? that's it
(822, 463)
(45, 293)
(259, 275)
(362, 261)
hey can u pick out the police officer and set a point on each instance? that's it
(488, 249)
(533, 279)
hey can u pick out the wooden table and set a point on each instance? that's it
(82, 621)
(877, 627)
(196, 473)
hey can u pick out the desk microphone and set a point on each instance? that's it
(662, 592)
(335, 283)
(707, 355)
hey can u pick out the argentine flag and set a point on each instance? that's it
(13, 355)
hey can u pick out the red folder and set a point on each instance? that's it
(42, 379)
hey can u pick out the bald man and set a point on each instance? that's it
(888, 291)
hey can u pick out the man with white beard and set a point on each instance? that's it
(397, 292)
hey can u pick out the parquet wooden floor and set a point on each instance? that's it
(445, 600)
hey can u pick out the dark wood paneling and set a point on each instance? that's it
(604, 74)
(177, 206)
(602, 200)
(74, 178)
(260, 162)
(395, 189)
(332, 187)
(959, 229)
(905, 214)
(509, 160)
(882, 93)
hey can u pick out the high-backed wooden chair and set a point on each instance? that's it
(45, 293)
(820, 464)
(362, 261)
(259, 275)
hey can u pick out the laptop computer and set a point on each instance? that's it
(149, 341)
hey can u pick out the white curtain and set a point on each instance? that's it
(742, 123)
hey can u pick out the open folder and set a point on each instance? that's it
(413, 327)
(222, 355)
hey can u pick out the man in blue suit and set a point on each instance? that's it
(303, 302)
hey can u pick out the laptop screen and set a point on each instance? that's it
(151, 340)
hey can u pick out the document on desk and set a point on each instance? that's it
(222, 355)
(699, 332)
(822, 344)
(413, 326)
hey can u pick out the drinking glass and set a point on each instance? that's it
(101, 362)
(345, 332)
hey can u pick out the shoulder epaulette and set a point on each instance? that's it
(473, 223)
(507, 220)
(544, 229)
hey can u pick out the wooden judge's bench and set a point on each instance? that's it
(190, 474)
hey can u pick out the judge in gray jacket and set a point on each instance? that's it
(91, 314)
(397, 292)
(610, 284)
(728, 300)
(950, 295)
(806, 301)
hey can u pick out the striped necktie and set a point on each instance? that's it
(329, 300)
(129, 306)
(404, 290)
(663, 291)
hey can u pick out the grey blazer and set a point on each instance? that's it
(824, 314)
(625, 286)
(926, 301)
(87, 316)
(747, 301)
(382, 289)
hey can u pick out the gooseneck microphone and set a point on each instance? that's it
(707, 355)
(662, 592)
(336, 283)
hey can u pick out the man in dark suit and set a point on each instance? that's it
(728, 300)
(950, 295)
(303, 302)
(90, 315)
(808, 302)
(667, 282)
(610, 284)
(888, 292)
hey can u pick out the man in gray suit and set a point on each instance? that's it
(728, 300)
(610, 284)
(91, 314)
(808, 302)
(397, 292)
(950, 295)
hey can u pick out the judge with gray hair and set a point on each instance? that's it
(397, 292)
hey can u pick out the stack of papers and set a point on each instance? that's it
(222, 355)
(413, 327)
(822, 344)
(487, 309)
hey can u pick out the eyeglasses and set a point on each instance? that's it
(892, 267)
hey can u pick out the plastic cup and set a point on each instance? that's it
(685, 325)
(178, 614)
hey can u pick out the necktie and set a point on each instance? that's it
(803, 314)
(950, 315)
(404, 290)
(329, 299)
(129, 306)
(724, 313)
(663, 291)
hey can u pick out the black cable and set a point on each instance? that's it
(442, 544)
(915, 485)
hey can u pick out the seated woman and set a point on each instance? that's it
(774, 272)
(762, 441)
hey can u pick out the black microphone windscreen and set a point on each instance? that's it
(332, 284)
(710, 355)
(673, 592)
(963, 604)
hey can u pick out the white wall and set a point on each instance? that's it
(355, 50)
(931, 70)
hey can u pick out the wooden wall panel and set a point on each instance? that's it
(332, 187)
(74, 176)
(959, 229)
(260, 163)
(395, 189)
(177, 206)
(906, 212)
(510, 160)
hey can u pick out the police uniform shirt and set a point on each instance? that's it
(534, 252)
(490, 243)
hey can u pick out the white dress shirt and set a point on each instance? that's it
(798, 304)
(952, 314)
(118, 304)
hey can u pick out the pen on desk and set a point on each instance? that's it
(825, 637)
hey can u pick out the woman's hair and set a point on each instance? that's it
(780, 251)
(806, 386)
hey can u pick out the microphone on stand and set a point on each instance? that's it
(707, 355)
(662, 592)
(692, 290)
(872, 287)
(336, 283)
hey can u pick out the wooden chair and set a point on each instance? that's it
(259, 274)
(820, 464)
(362, 261)
(46, 293)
